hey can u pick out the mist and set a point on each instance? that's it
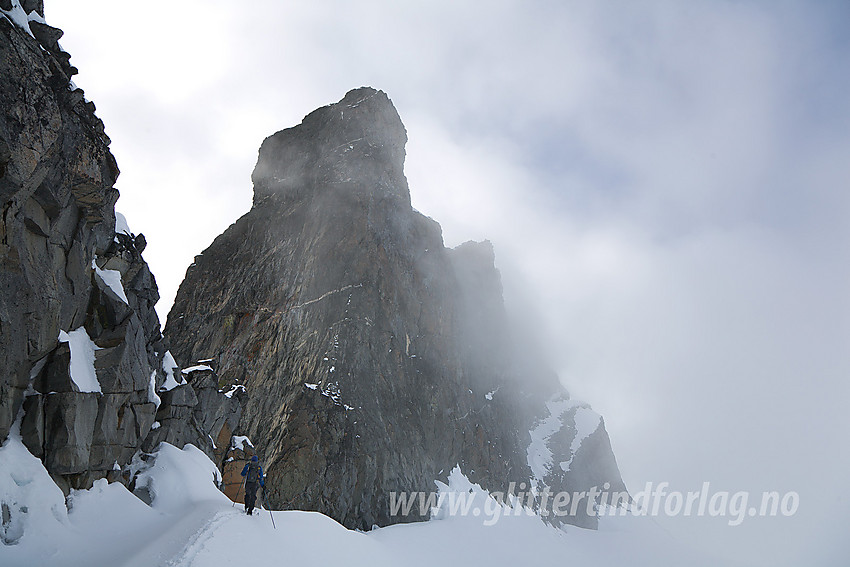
(664, 185)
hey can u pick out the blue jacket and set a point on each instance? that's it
(259, 472)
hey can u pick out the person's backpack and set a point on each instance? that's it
(253, 472)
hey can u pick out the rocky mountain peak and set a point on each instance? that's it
(373, 359)
(336, 148)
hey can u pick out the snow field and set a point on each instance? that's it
(191, 524)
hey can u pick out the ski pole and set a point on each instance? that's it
(238, 491)
(266, 498)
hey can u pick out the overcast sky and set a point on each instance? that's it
(665, 184)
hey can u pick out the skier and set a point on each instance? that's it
(253, 473)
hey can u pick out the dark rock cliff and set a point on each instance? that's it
(373, 358)
(83, 364)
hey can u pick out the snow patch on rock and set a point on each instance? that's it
(196, 368)
(82, 359)
(239, 442)
(168, 366)
(111, 279)
(19, 17)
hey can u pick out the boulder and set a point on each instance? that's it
(69, 422)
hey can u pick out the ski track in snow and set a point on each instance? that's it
(197, 543)
(171, 542)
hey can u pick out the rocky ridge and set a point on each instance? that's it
(83, 363)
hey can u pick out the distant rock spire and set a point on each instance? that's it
(373, 359)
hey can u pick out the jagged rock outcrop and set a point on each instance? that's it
(82, 360)
(57, 196)
(373, 358)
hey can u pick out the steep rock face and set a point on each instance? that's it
(374, 359)
(82, 361)
(56, 177)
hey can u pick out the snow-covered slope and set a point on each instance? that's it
(190, 523)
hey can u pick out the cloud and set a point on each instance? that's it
(663, 181)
